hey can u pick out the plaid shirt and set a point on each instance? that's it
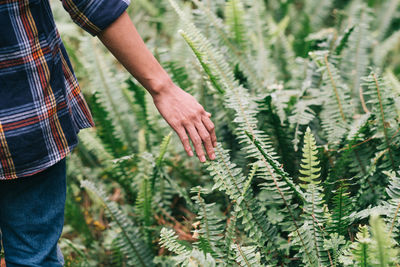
(41, 105)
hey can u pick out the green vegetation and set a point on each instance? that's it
(306, 102)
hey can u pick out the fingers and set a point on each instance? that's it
(196, 141)
(185, 140)
(206, 138)
(201, 131)
(210, 128)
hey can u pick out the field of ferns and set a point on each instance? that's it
(305, 97)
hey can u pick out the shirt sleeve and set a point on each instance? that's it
(95, 15)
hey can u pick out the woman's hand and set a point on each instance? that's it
(187, 117)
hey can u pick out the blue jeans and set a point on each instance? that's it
(32, 218)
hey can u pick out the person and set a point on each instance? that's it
(42, 110)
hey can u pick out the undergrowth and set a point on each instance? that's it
(305, 99)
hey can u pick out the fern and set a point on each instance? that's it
(360, 249)
(375, 250)
(355, 56)
(105, 128)
(383, 253)
(337, 245)
(302, 113)
(179, 75)
(144, 202)
(240, 101)
(239, 58)
(230, 239)
(318, 10)
(342, 207)
(382, 51)
(234, 13)
(392, 205)
(385, 114)
(139, 106)
(337, 109)
(184, 256)
(343, 41)
(211, 227)
(160, 159)
(314, 220)
(386, 17)
(130, 241)
(114, 101)
(266, 78)
(247, 256)
(94, 144)
(229, 179)
(170, 241)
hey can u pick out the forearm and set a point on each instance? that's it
(180, 109)
(123, 40)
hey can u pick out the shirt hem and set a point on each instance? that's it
(47, 164)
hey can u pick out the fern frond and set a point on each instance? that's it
(342, 207)
(211, 227)
(169, 240)
(229, 179)
(309, 167)
(395, 84)
(230, 239)
(202, 57)
(355, 57)
(255, 75)
(392, 205)
(313, 203)
(179, 190)
(343, 41)
(305, 246)
(184, 256)
(94, 145)
(234, 13)
(105, 129)
(179, 75)
(382, 50)
(382, 246)
(144, 202)
(302, 113)
(130, 242)
(337, 245)
(380, 97)
(163, 149)
(247, 256)
(199, 258)
(386, 17)
(360, 249)
(139, 106)
(336, 104)
(318, 11)
(275, 165)
(159, 161)
(108, 88)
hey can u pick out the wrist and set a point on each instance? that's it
(161, 86)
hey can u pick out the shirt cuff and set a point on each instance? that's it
(95, 15)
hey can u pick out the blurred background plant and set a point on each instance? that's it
(306, 102)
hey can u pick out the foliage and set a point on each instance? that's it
(306, 104)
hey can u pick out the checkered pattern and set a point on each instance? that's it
(41, 105)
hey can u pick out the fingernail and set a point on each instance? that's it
(215, 144)
(212, 156)
(203, 159)
(190, 153)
